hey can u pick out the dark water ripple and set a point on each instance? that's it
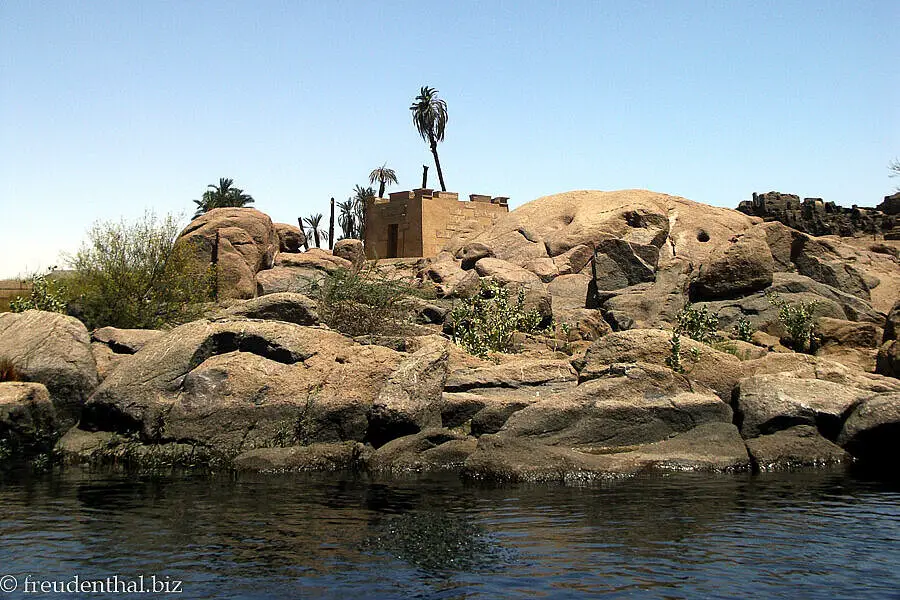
(802, 535)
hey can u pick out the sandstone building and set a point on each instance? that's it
(421, 222)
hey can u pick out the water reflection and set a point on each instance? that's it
(813, 534)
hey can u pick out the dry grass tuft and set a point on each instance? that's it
(8, 371)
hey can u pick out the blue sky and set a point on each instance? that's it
(111, 108)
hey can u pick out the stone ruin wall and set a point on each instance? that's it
(817, 217)
(446, 217)
(424, 221)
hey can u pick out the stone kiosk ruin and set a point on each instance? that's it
(420, 222)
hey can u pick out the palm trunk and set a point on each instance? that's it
(331, 228)
(381, 189)
(316, 237)
(437, 164)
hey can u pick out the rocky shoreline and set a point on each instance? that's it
(261, 383)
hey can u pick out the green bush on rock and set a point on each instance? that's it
(487, 321)
(697, 323)
(46, 294)
(797, 319)
(367, 302)
(743, 329)
(131, 275)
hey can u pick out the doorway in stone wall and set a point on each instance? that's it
(393, 240)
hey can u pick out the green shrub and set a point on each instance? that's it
(797, 319)
(697, 323)
(364, 303)
(132, 275)
(673, 361)
(487, 321)
(46, 294)
(743, 329)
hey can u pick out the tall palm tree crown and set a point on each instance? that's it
(383, 176)
(313, 228)
(222, 196)
(429, 115)
(347, 219)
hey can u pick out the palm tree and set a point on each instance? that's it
(347, 219)
(352, 217)
(312, 228)
(222, 196)
(383, 176)
(360, 201)
(430, 118)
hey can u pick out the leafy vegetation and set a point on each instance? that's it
(697, 323)
(674, 361)
(383, 176)
(223, 195)
(429, 115)
(488, 321)
(132, 275)
(797, 319)
(352, 217)
(743, 329)
(46, 294)
(363, 303)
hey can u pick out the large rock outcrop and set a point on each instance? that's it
(27, 419)
(55, 350)
(888, 361)
(551, 226)
(872, 432)
(745, 266)
(299, 272)
(239, 242)
(708, 447)
(768, 403)
(111, 345)
(630, 404)
(290, 237)
(238, 385)
(410, 400)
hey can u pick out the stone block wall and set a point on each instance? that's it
(421, 222)
(817, 217)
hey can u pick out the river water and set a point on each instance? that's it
(815, 534)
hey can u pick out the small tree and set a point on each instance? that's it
(132, 275)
